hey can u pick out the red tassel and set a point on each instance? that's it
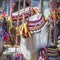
(6, 38)
(4, 14)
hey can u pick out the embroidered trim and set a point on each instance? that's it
(35, 26)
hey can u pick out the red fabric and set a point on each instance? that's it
(6, 38)
(27, 35)
(58, 4)
(4, 14)
(43, 55)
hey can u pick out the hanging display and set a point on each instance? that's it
(35, 23)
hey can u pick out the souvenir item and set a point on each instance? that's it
(52, 51)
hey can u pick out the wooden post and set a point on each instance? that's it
(16, 41)
(55, 37)
(40, 6)
(10, 8)
(24, 12)
(55, 41)
(54, 21)
(7, 9)
(31, 4)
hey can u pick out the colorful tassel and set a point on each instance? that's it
(43, 53)
(10, 23)
(54, 16)
(36, 10)
(19, 57)
(26, 31)
(21, 30)
(6, 37)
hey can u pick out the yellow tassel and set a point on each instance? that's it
(36, 10)
(10, 23)
(29, 34)
(17, 28)
(26, 30)
(21, 30)
(46, 18)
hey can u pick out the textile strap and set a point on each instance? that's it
(43, 52)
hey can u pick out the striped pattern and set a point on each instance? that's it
(37, 24)
(52, 52)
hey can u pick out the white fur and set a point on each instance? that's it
(30, 46)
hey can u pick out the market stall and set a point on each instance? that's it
(36, 32)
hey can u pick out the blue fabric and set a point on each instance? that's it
(17, 58)
(5, 28)
(10, 57)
